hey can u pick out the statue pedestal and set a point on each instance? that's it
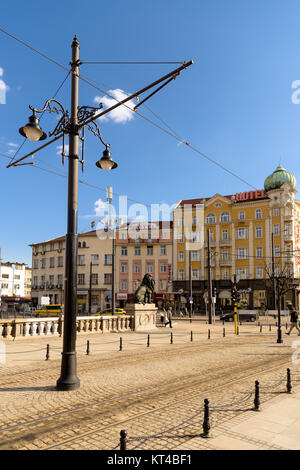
(144, 316)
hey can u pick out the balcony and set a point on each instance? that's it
(225, 262)
(212, 244)
(288, 237)
(227, 242)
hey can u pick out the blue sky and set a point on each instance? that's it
(234, 104)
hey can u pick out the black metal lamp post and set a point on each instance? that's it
(74, 126)
(279, 334)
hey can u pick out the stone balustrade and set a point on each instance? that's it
(22, 327)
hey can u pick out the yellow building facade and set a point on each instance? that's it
(242, 228)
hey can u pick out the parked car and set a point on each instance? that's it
(108, 311)
(48, 311)
(241, 316)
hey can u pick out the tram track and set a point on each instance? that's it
(131, 402)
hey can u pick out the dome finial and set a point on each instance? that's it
(278, 178)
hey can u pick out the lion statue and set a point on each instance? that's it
(143, 294)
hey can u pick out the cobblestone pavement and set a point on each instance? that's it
(156, 393)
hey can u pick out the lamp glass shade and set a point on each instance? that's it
(32, 130)
(106, 162)
(32, 133)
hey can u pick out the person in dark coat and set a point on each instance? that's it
(294, 320)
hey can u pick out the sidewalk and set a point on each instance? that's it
(275, 427)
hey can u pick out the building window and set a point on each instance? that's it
(180, 222)
(150, 268)
(211, 219)
(258, 214)
(224, 234)
(60, 245)
(259, 272)
(277, 251)
(81, 260)
(195, 220)
(123, 267)
(95, 279)
(95, 260)
(242, 273)
(81, 279)
(137, 268)
(107, 260)
(181, 274)
(162, 284)
(43, 261)
(258, 232)
(124, 251)
(79, 244)
(51, 280)
(60, 261)
(211, 235)
(259, 252)
(242, 253)
(163, 267)
(59, 279)
(181, 256)
(51, 262)
(95, 299)
(276, 211)
(196, 274)
(35, 280)
(287, 229)
(163, 250)
(225, 274)
(276, 229)
(241, 233)
(123, 234)
(137, 251)
(181, 237)
(165, 234)
(224, 255)
(123, 284)
(225, 217)
(107, 278)
(35, 264)
(195, 255)
(241, 215)
(51, 246)
(149, 250)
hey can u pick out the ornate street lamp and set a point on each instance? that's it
(74, 126)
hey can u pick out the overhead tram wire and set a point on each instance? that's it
(170, 133)
(136, 112)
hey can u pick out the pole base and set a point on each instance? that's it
(279, 341)
(68, 379)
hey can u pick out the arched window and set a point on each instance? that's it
(79, 244)
(225, 217)
(83, 244)
(211, 219)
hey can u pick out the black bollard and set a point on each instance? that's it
(191, 336)
(256, 398)
(270, 327)
(206, 424)
(208, 334)
(48, 352)
(237, 330)
(87, 348)
(148, 341)
(261, 328)
(123, 440)
(288, 382)
(224, 333)
(286, 326)
(171, 338)
(121, 344)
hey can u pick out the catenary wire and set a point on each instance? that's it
(138, 113)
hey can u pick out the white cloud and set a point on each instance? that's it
(60, 147)
(121, 114)
(12, 144)
(100, 207)
(1, 71)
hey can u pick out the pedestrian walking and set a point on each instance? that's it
(294, 320)
(169, 317)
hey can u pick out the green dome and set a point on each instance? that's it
(278, 178)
